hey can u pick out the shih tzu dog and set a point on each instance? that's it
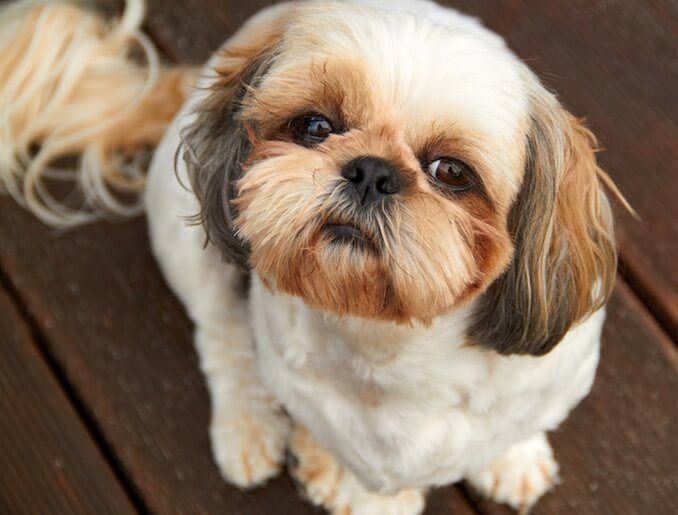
(392, 239)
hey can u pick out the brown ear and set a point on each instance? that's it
(215, 146)
(564, 263)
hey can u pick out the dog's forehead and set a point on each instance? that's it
(434, 66)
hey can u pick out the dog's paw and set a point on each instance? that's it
(326, 483)
(249, 445)
(525, 473)
(359, 502)
(315, 469)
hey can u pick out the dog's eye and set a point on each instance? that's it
(310, 129)
(452, 173)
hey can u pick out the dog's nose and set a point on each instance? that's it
(372, 177)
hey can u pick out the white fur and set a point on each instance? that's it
(245, 416)
(522, 475)
(399, 406)
(444, 410)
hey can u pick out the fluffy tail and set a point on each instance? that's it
(69, 86)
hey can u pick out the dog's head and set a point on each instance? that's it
(394, 165)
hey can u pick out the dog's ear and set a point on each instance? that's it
(216, 143)
(564, 261)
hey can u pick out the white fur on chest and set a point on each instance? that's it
(413, 406)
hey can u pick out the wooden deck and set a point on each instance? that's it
(102, 406)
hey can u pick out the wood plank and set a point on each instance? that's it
(612, 62)
(191, 30)
(617, 451)
(124, 344)
(49, 462)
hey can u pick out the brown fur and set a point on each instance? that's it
(235, 59)
(218, 143)
(316, 469)
(565, 259)
(285, 199)
(466, 146)
(332, 87)
(148, 122)
(321, 475)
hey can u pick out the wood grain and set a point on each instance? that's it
(191, 30)
(48, 461)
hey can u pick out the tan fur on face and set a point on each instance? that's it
(419, 262)
(427, 251)
(424, 253)
(334, 87)
(250, 45)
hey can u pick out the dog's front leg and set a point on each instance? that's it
(248, 429)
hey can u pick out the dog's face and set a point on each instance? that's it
(381, 165)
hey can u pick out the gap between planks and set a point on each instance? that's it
(79, 407)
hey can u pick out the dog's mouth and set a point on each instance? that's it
(348, 234)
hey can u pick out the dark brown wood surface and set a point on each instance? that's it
(123, 343)
(48, 461)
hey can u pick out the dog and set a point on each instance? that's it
(394, 242)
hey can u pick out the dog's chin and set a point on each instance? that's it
(340, 269)
(344, 270)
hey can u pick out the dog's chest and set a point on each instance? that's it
(404, 406)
